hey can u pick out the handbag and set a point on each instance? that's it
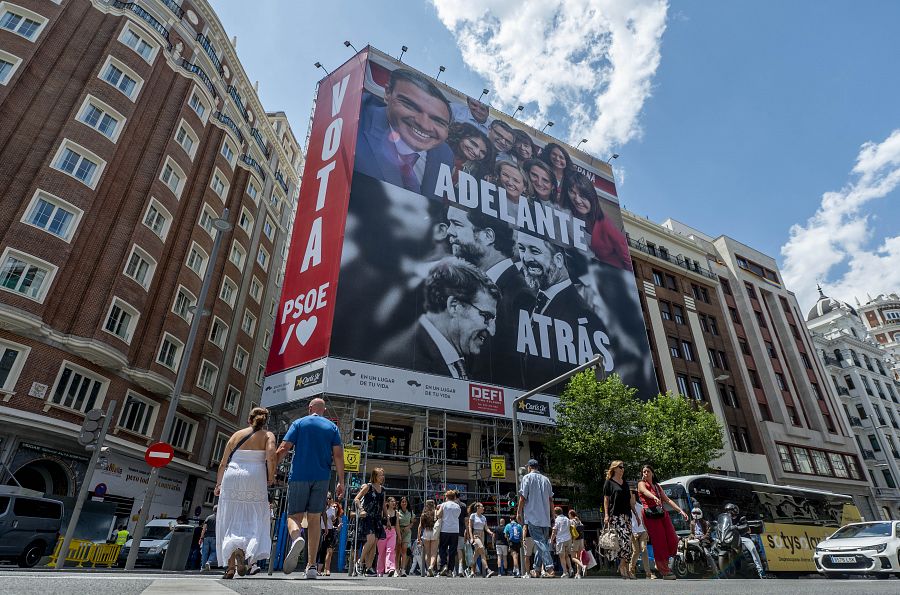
(587, 558)
(657, 511)
(609, 541)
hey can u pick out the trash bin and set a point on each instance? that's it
(179, 548)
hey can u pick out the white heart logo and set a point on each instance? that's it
(305, 329)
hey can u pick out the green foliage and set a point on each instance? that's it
(598, 422)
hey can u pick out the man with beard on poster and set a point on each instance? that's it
(488, 243)
(562, 330)
(403, 139)
(460, 317)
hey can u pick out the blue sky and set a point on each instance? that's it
(772, 122)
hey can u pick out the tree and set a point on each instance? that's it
(601, 421)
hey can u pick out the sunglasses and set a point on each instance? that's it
(620, 466)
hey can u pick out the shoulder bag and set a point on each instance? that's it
(609, 541)
(657, 511)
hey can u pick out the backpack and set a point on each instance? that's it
(515, 533)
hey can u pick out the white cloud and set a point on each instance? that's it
(839, 234)
(590, 59)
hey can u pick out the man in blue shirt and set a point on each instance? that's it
(316, 442)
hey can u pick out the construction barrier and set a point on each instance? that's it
(81, 551)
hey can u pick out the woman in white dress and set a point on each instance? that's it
(243, 520)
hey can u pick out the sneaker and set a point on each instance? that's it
(312, 573)
(293, 555)
(527, 575)
(403, 573)
(207, 567)
(546, 574)
(444, 572)
(391, 573)
(371, 572)
(254, 569)
(490, 574)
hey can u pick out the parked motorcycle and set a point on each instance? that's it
(732, 559)
(692, 559)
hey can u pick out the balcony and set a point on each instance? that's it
(232, 92)
(254, 164)
(832, 361)
(231, 125)
(206, 44)
(173, 6)
(887, 493)
(843, 391)
(855, 422)
(254, 132)
(280, 179)
(195, 68)
(683, 263)
(146, 16)
(868, 455)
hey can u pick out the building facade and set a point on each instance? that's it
(882, 319)
(869, 394)
(127, 129)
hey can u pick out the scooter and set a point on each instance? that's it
(728, 550)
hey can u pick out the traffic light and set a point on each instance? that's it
(90, 429)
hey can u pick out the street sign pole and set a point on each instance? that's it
(85, 486)
(221, 225)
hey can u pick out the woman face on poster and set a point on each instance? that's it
(581, 198)
(523, 147)
(542, 179)
(468, 143)
(511, 177)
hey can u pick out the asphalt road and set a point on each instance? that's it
(120, 583)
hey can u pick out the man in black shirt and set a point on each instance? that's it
(208, 541)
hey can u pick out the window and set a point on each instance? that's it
(749, 287)
(169, 352)
(79, 163)
(806, 363)
(158, 219)
(228, 152)
(723, 361)
(262, 258)
(8, 66)
(218, 330)
(671, 283)
(238, 255)
(651, 247)
(198, 105)
(787, 463)
(248, 324)
(260, 374)
(713, 326)
(687, 348)
(760, 319)
(245, 221)
(255, 289)
(852, 466)
(679, 313)
(663, 253)
(658, 279)
(219, 447)
(674, 351)
(186, 138)
(253, 190)
(820, 462)
(240, 360)
(207, 377)
(781, 381)
(682, 381)
(207, 216)
(849, 380)
(138, 415)
(228, 291)
(888, 478)
(53, 215)
(184, 300)
(21, 21)
(801, 455)
(140, 266)
(837, 463)
(697, 389)
(735, 317)
(197, 260)
(137, 42)
(665, 310)
(817, 391)
(78, 389)
(269, 229)
(26, 275)
(754, 378)
(182, 434)
(121, 320)
(218, 184)
(101, 117)
(173, 177)
(876, 446)
(770, 349)
(121, 77)
(729, 397)
(704, 323)
(232, 396)
(12, 360)
(209, 497)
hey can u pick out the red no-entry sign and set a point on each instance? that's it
(159, 454)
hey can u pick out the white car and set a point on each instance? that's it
(861, 548)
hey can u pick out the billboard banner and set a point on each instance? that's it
(303, 324)
(478, 252)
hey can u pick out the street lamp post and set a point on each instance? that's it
(221, 225)
(597, 360)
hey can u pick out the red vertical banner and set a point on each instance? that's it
(305, 314)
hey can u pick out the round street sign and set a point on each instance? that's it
(159, 454)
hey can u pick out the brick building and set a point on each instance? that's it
(881, 316)
(126, 129)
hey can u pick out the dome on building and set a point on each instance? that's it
(826, 305)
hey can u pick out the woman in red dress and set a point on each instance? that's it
(659, 526)
(607, 243)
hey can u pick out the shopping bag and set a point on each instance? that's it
(587, 558)
(470, 554)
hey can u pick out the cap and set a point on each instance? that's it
(533, 463)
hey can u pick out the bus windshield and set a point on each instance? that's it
(678, 495)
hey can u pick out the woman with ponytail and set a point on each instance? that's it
(246, 470)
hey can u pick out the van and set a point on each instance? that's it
(29, 525)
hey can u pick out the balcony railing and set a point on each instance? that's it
(280, 179)
(832, 361)
(887, 492)
(254, 164)
(843, 391)
(231, 125)
(146, 16)
(855, 421)
(868, 454)
(202, 74)
(683, 263)
(206, 44)
(232, 92)
(254, 132)
(173, 6)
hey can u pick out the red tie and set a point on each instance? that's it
(407, 171)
